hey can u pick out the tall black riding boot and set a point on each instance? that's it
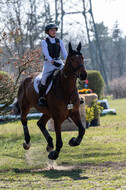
(42, 100)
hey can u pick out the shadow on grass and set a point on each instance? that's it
(74, 174)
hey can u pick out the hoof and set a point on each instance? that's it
(26, 146)
(48, 148)
(73, 142)
(53, 155)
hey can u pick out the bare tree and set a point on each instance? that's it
(22, 28)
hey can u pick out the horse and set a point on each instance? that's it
(62, 102)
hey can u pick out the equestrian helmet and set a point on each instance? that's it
(50, 26)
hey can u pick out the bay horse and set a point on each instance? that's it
(62, 102)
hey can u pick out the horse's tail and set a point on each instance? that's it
(16, 108)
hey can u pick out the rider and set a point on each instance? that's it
(51, 47)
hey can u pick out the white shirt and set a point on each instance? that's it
(45, 51)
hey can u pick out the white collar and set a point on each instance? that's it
(51, 39)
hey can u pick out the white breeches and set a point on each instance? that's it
(47, 68)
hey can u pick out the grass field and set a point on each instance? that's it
(98, 163)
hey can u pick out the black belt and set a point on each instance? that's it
(57, 64)
(53, 58)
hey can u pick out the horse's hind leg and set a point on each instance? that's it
(42, 125)
(24, 112)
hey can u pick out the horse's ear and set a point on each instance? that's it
(70, 48)
(79, 47)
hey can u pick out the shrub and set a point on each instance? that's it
(6, 88)
(97, 108)
(117, 87)
(89, 113)
(95, 82)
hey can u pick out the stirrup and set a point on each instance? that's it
(42, 102)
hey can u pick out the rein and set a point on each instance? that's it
(73, 97)
(71, 102)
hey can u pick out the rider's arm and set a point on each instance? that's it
(63, 50)
(45, 51)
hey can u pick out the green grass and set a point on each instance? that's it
(98, 163)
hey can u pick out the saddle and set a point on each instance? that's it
(52, 79)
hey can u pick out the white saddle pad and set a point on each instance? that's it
(36, 83)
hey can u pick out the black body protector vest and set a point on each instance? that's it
(54, 49)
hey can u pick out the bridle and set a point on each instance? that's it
(71, 65)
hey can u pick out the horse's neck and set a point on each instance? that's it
(68, 83)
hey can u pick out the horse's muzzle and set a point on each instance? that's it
(83, 76)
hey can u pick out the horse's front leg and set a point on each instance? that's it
(55, 154)
(42, 123)
(77, 120)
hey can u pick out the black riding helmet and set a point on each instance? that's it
(50, 26)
